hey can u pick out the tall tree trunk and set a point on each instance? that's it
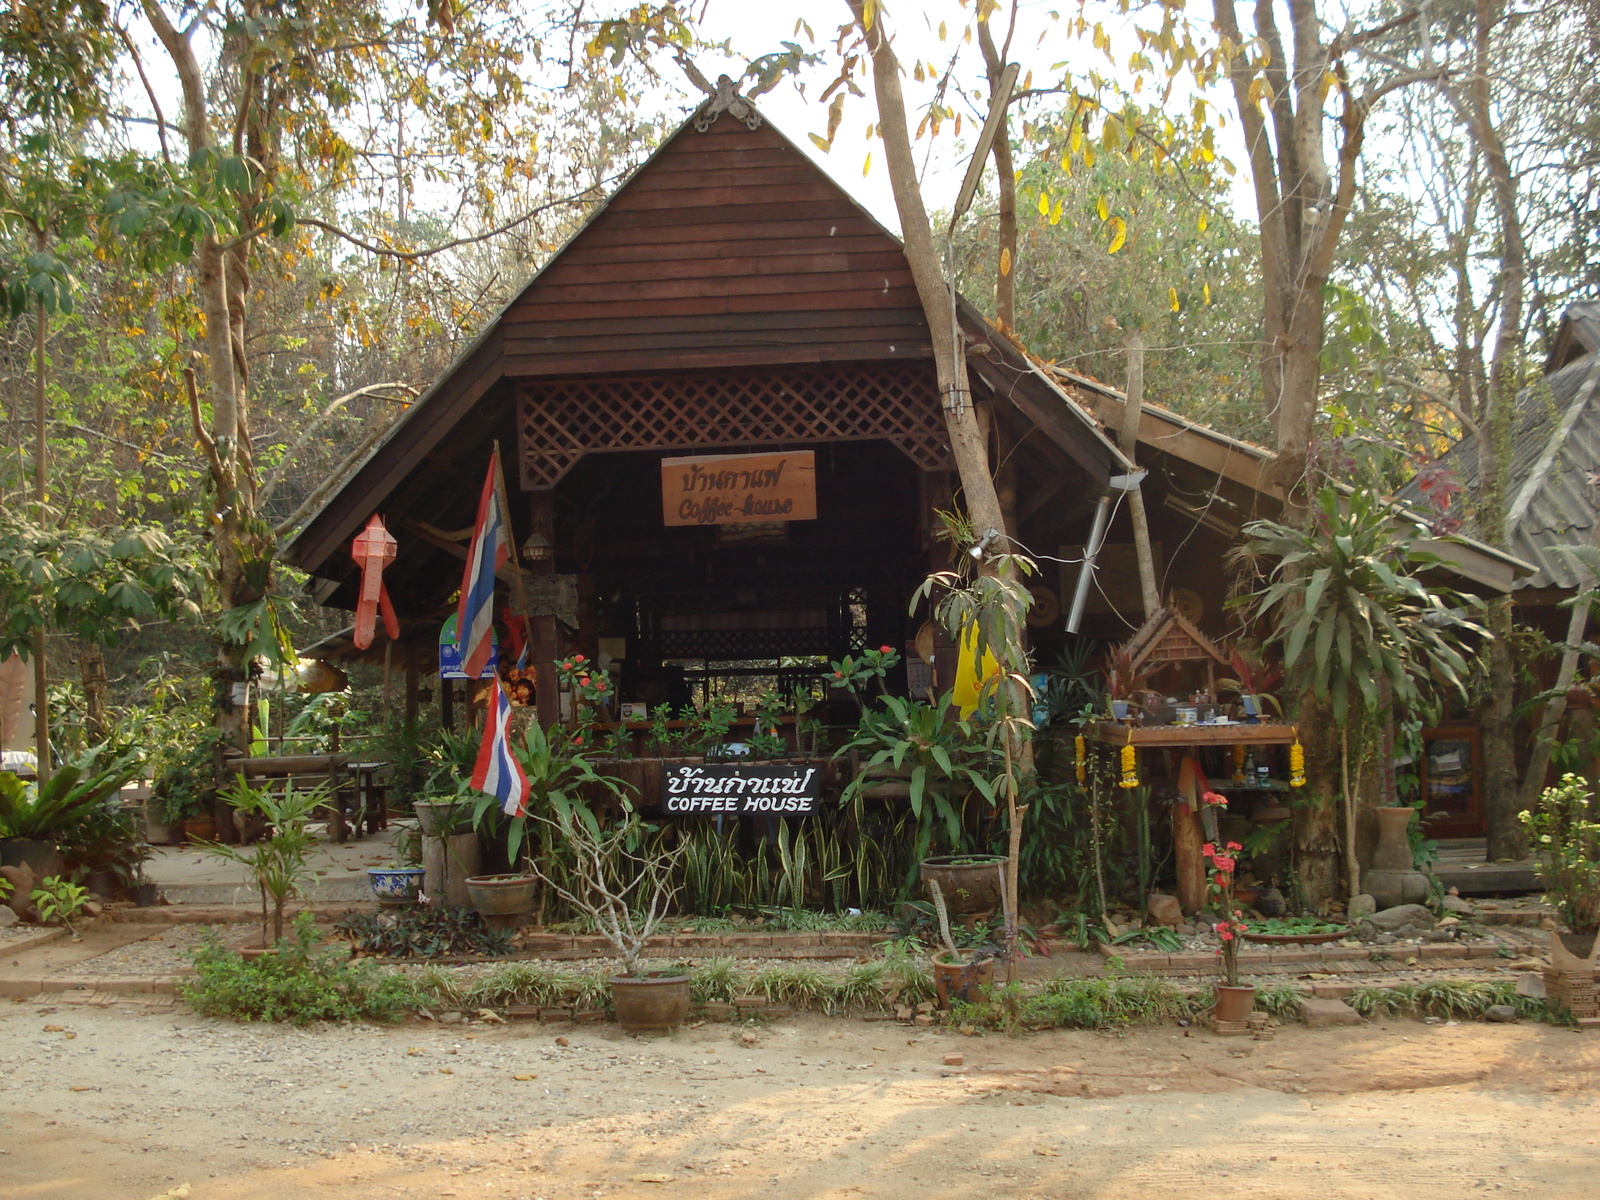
(1005, 251)
(1496, 719)
(41, 497)
(92, 671)
(969, 447)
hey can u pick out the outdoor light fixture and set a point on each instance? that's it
(538, 548)
(989, 538)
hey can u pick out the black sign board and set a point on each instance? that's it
(740, 788)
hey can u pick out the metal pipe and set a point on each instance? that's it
(1091, 549)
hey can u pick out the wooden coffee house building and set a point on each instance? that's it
(722, 438)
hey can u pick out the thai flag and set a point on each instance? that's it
(497, 772)
(475, 617)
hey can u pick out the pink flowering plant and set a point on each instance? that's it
(1221, 862)
(589, 685)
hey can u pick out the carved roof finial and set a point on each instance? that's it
(726, 99)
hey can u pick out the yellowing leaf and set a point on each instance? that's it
(1055, 213)
(1100, 207)
(1203, 222)
(1119, 235)
(1172, 295)
(942, 31)
(820, 142)
(1044, 204)
(1005, 260)
(867, 166)
(1205, 293)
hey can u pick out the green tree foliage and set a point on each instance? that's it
(1134, 237)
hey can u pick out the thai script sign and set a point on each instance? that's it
(727, 489)
(740, 788)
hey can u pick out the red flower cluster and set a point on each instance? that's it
(1213, 799)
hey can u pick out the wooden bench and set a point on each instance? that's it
(345, 808)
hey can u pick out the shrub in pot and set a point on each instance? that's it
(623, 882)
(559, 775)
(1235, 1000)
(1565, 835)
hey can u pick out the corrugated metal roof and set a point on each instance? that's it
(1577, 335)
(1554, 452)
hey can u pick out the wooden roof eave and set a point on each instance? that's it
(1009, 371)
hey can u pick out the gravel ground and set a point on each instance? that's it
(18, 933)
(163, 953)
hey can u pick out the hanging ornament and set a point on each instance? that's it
(1130, 764)
(1081, 759)
(1297, 762)
(374, 549)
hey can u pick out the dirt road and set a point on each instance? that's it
(129, 1103)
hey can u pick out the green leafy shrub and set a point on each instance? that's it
(444, 932)
(300, 983)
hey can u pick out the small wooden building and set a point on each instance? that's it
(729, 299)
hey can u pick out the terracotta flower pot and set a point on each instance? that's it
(1234, 1003)
(650, 1003)
(501, 895)
(202, 828)
(966, 982)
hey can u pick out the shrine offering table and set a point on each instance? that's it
(1187, 837)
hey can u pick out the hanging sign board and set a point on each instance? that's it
(727, 489)
(450, 666)
(739, 788)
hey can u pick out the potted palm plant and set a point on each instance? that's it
(623, 881)
(280, 865)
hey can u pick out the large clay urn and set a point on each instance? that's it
(1394, 879)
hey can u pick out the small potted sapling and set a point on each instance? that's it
(958, 976)
(280, 865)
(624, 885)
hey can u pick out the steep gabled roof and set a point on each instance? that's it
(727, 249)
(1555, 456)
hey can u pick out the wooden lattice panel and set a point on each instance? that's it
(559, 422)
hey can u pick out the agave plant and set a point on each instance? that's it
(1345, 601)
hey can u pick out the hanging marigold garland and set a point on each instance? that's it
(1297, 762)
(1130, 764)
(1081, 759)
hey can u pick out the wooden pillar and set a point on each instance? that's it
(1187, 840)
(411, 694)
(542, 633)
(447, 704)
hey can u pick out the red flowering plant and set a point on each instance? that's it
(590, 687)
(1220, 864)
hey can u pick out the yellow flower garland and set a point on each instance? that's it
(1081, 759)
(1297, 762)
(1130, 764)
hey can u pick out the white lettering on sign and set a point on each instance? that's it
(739, 788)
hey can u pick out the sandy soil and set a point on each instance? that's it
(128, 1103)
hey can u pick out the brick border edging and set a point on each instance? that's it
(1310, 956)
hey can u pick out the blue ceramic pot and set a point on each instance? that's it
(395, 885)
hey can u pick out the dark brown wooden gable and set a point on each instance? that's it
(729, 249)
